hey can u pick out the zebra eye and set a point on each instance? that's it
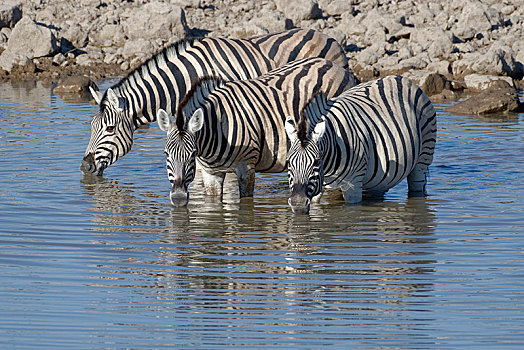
(110, 128)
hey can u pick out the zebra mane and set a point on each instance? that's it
(200, 89)
(310, 115)
(159, 58)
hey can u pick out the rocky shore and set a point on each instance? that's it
(445, 47)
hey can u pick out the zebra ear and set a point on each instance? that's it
(291, 131)
(97, 95)
(319, 130)
(196, 121)
(114, 101)
(164, 122)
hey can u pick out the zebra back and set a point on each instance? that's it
(246, 118)
(163, 80)
(299, 43)
(379, 131)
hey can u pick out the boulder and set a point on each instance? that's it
(498, 60)
(499, 98)
(335, 7)
(140, 48)
(436, 41)
(475, 18)
(31, 39)
(434, 84)
(76, 35)
(75, 84)
(298, 10)
(10, 13)
(155, 20)
(9, 60)
(479, 82)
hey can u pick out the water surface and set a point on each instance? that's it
(110, 264)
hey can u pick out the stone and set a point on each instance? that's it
(76, 35)
(9, 60)
(75, 84)
(336, 7)
(298, 10)
(436, 41)
(498, 60)
(496, 99)
(475, 18)
(155, 20)
(110, 34)
(479, 82)
(441, 67)
(31, 39)
(444, 96)
(140, 48)
(434, 84)
(247, 30)
(10, 13)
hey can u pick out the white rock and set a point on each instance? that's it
(137, 48)
(476, 17)
(298, 10)
(8, 60)
(481, 82)
(155, 20)
(498, 60)
(436, 41)
(441, 67)
(10, 13)
(31, 39)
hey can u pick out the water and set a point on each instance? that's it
(110, 264)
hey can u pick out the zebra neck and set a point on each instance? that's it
(330, 151)
(160, 82)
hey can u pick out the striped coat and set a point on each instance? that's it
(238, 126)
(366, 140)
(162, 81)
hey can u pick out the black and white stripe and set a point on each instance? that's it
(238, 126)
(162, 81)
(366, 140)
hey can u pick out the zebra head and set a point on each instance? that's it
(305, 166)
(181, 150)
(111, 133)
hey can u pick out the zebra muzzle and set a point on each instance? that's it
(179, 196)
(88, 167)
(299, 204)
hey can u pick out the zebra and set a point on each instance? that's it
(238, 126)
(368, 139)
(163, 80)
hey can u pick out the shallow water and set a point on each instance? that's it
(110, 264)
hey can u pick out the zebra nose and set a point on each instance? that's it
(299, 204)
(179, 196)
(88, 164)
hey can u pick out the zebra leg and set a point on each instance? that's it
(352, 192)
(213, 183)
(316, 199)
(417, 180)
(246, 180)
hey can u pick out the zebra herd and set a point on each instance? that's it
(267, 104)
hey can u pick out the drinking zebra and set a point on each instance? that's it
(238, 126)
(163, 80)
(367, 140)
